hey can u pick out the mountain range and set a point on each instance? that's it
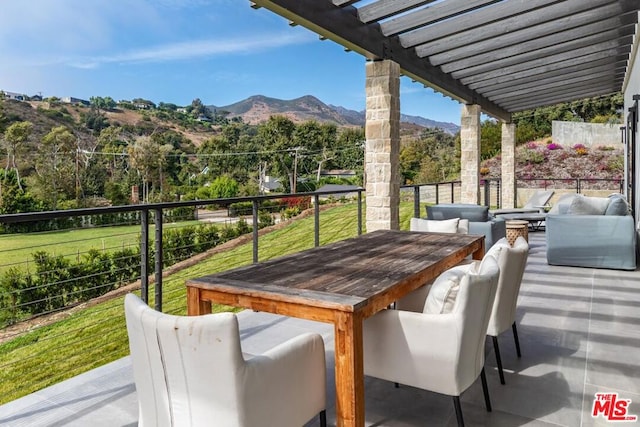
(259, 108)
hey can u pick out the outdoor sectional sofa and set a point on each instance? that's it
(596, 232)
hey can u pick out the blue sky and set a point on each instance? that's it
(221, 51)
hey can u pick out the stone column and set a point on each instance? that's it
(382, 151)
(508, 168)
(470, 154)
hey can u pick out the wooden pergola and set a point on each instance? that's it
(494, 56)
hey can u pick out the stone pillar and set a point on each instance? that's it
(470, 154)
(508, 168)
(382, 151)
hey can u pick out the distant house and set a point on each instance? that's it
(270, 184)
(15, 96)
(181, 110)
(337, 187)
(203, 118)
(36, 98)
(75, 101)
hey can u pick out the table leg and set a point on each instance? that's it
(479, 254)
(349, 370)
(195, 305)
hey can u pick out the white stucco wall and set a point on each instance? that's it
(589, 134)
(630, 88)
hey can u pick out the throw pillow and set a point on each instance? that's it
(444, 226)
(582, 205)
(617, 205)
(463, 226)
(442, 296)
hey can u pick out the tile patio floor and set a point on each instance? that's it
(579, 332)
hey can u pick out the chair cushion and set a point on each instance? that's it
(444, 226)
(617, 205)
(583, 205)
(442, 296)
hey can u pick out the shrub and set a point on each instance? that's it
(532, 156)
(484, 171)
(290, 212)
(265, 219)
(532, 145)
(553, 146)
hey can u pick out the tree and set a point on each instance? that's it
(149, 159)
(55, 166)
(15, 138)
(320, 141)
(198, 109)
(277, 134)
(223, 187)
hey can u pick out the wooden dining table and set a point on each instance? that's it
(341, 283)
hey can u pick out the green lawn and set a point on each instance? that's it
(16, 249)
(92, 337)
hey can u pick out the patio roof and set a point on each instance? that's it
(504, 55)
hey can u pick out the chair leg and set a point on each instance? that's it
(485, 390)
(498, 359)
(323, 418)
(456, 404)
(515, 338)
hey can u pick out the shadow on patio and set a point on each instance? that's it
(578, 331)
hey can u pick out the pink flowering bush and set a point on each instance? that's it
(554, 146)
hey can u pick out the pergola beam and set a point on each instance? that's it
(342, 25)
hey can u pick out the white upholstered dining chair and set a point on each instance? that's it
(512, 262)
(190, 371)
(442, 348)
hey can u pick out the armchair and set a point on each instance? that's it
(191, 371)
(443, 353)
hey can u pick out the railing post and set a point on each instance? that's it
(255, 231)
(452, 195)
(144, 255)
(316, 220)
(487, 193)
(578, 185)
(499, 194)
(359, 213)
(437, 193)
(158, 269)
(416, 201)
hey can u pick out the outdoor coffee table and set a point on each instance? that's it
(341, 283)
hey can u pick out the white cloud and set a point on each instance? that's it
(196, 49)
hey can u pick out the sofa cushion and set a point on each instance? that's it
(443, 292)
(617, 205)
(562, 205)
(444, 226)
(474, 213)
(583, 205)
